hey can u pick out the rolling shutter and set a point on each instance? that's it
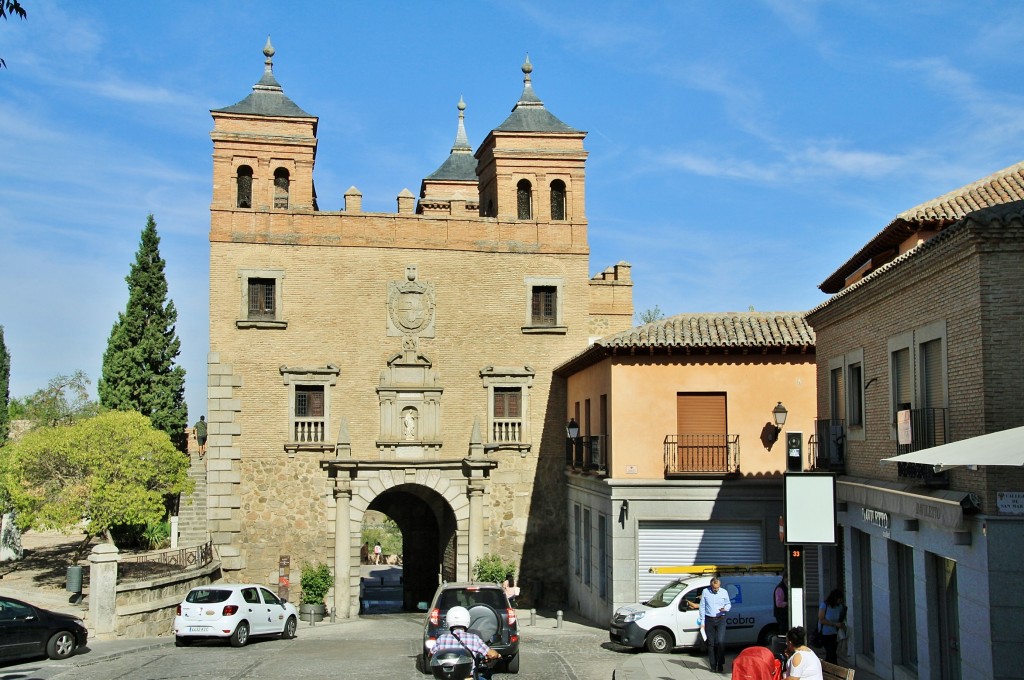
(701, 414)
(689, 543)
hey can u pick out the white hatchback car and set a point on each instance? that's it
(234, 611)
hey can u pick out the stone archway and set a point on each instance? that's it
(428, 525)
(442, 499)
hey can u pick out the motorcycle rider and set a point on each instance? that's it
(460, 640)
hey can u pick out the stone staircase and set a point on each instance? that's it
(192, 526)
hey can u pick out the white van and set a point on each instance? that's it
(667, 621)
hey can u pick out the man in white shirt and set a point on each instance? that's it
(714, 603)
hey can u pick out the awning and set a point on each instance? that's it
(996, 448)
(942, 506)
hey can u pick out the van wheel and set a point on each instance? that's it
(767, 633)
(659, 642)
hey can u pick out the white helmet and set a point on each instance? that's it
(458, 616)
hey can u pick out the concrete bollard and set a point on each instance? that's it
(558, 619)
(332, 615)
(533, 617)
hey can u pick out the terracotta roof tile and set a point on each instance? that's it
(1001, 187)
(724, 330)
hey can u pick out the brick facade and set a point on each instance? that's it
(404, 322)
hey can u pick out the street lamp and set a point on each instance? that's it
(572, 432)
(779, 414)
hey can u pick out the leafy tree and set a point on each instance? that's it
(112, 469)
(650, 315)
(11, 8)
(64, 401)
(5, 392)
(138, 366)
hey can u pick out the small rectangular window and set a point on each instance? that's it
(309, 401)
(544, 306)
(261, 299)
(856, 384)
(508, 402)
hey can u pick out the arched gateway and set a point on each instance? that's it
(438, 505)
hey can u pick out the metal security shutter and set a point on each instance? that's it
(688, 543)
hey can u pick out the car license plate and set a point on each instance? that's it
(199, 629)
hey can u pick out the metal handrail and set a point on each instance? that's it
(702, 454)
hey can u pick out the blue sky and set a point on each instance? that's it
(739, 151)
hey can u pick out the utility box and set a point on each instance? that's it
(795, 451)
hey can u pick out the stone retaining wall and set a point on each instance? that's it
(146, 609)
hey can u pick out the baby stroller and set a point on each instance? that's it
(756, 663)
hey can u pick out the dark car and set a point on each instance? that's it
(491, 617)
(28, 631)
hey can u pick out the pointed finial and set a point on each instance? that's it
(268, 49)
(461, 140)
(527, 68)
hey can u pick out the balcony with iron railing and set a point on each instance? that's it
(927, 428)
(828, 445)
(588, 454)
(702, 454)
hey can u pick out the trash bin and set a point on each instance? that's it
(74, 579)
(778, 644)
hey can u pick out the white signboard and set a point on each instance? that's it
(1010, 502)
(903, 434)
(810, 507)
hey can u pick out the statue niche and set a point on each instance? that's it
(409, 390)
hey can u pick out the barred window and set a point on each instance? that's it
(261, 299)
(544, 306)
(309, 401)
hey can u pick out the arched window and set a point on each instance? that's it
(244, 182)
(558, 200)
(280, 188)
(524, 200)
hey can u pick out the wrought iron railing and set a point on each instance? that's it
(687, 454)
(928, 428)
(159, 562)
(587, 453)
(828, 445)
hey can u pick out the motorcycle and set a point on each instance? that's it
(450, 665)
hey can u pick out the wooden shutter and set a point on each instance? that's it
(701, 414)
(931, 374)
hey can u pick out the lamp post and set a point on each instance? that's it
(572, 432)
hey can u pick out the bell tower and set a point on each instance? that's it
(531, 167)
(264, 148)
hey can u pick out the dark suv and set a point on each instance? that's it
(490, 616)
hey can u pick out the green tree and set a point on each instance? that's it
(5, 391)
(138, 366)
(11, 8)
(112, 469)
(64, 400)
(650, 315)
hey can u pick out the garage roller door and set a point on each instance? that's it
(686, 543)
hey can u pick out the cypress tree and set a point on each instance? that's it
(138, 366)
(5, 391)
